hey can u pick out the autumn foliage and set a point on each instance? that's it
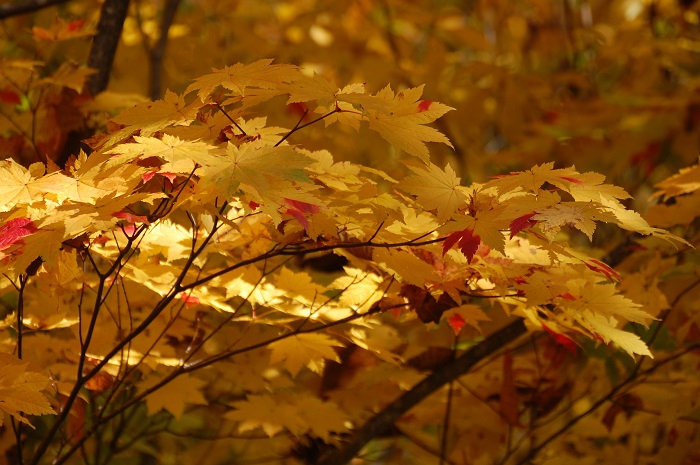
(306, 263)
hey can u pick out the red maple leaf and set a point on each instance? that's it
(298, 209)
(468, 242)
(600, 267)
(521, 223)
(562, 340)
(456, 322)
(14, 230)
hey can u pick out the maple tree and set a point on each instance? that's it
(309, 263)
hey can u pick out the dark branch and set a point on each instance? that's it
(21, 7)
(438, 378)
(104, 45)
(157, 51)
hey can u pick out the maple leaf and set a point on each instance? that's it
(590, 187)
(174, 395)
(270, 176)
(299, 210)
(562, 339)
(406, 266)
(298, 413)
(150, 117)
(467, 314)
(62, 30)
(435, 189)
(301, 349)
(400, 118)
(180, 156)
(605, 327)
(468, 242)
(20, 391)
(71, 76)
(238, 77)
(305, 89)
(580, 215)
(604, 299)
(427, 307)
(44, 242)
(533, 179)
(12, 231)
(521, 223)
(687, 180)
(18, 184)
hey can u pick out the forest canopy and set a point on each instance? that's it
(308, 232)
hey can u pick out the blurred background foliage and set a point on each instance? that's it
(609, 86)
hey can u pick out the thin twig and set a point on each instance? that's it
(298, 127)
(229, 118)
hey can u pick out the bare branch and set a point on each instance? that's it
(21, 7)
(438, 378)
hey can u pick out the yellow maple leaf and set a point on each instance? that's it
(174, 395)
(435, 189)
(71, 76)
(683, 211)
(266, 412)
(580, 215)
(606, 328)
(603, 299)
(179, 155)
(305, 89)
(298, 413)
(400, 118)
(20, 391)
(590, 187)
(150, 117)
(405, 266)
(685, 181)
(236, 78)
(18, 184)
(266, 174)
(532, 179)
(302, 349)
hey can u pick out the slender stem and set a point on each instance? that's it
(230, 119)
(298, 127)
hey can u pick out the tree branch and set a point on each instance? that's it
(104, 45)
(26, 6)
(438, 378)
(157, 51)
